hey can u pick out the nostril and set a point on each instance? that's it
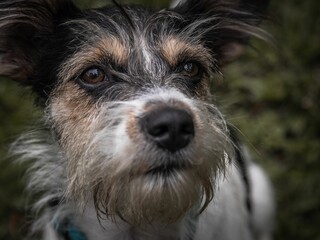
(187, 126)
(169, 128)
(158, 130)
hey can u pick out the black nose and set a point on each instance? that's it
(169, 128)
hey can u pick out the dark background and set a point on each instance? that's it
(271, 94)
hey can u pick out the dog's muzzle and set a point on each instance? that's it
(169, 128)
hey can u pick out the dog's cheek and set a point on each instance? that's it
(202, 90)
(198, 91)
(72, 113)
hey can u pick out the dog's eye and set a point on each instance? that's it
(191, 69)
(93, 76)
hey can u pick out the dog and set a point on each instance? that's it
(132, 143)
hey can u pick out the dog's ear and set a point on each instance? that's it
(225, 25)
(25, 26)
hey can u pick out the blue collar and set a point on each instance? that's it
(67, 230)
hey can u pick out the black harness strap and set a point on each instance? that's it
(242, 165)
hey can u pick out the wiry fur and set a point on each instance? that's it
(93, 165)
(109, 171)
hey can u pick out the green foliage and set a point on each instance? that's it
(271, 95)
(16, 112)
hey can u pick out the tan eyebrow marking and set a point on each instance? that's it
(174, 49)
(111, 48)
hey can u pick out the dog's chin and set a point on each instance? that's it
(163, 195)
(169, 170)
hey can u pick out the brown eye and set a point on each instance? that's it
(191, 69)
(93, 76)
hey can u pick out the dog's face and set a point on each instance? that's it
(131, 113)
(126, 92)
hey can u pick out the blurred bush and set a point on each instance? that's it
(271, 95)
(16, 112)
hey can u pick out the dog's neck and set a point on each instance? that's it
(181, 230)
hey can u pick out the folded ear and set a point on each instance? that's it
(224, 25)
(25, 26)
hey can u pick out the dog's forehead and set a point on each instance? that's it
(147, 41)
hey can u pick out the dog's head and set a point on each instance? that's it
(126, 92)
